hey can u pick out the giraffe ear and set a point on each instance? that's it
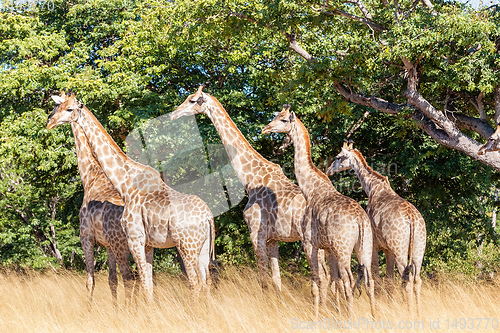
(292, 116)
(57, 99)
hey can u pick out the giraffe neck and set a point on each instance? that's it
(246, 161)
(88, 167)
(371, 181)
(119, 169)
(308, 176)
(96, 185)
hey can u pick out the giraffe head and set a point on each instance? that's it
(67, 109)
(493, 143)
(343, 160)
(283, 121)
(194, 104)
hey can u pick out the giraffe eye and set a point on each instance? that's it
(284, 120)
(69, 109)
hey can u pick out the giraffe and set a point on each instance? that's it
(492, 144)
(154, 214)
(332, 221)
(275, 205)
(100, 215)
(398, 227)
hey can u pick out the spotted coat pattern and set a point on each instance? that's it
(154, 214)
(398, 227)
(332, 221)
(275, 207)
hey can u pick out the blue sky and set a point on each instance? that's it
(476, 3)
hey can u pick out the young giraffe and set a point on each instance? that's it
(100, 215)
(492, 144)
(275, 205)
(154, 214)
(398, 227)
(332, 221)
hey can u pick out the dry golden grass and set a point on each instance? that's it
(53, 302)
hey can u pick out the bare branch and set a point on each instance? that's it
(497, 104)
(430, 6)
(479, 126)
(335, 12)
(478, 104)
(356, 125)
(362, 7)
(292, 40)
(408, 13)
(461, 142)
(374, 102)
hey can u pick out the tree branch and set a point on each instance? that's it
(430, 6)
(292, 44)
(465, 122)
(497, 104)
(338, 12)
(361, 7)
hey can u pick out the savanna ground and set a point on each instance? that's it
(56, 302)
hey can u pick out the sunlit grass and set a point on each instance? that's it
(57, 302)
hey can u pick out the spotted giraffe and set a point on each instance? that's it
(275, 207)
(154, 214)
(332, 221)
(100, 215)
(398, 227)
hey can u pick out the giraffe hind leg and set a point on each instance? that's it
(112, 278)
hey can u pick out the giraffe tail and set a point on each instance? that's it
(361, 274)
(407, 271)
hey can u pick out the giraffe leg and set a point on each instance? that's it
(136, 238)
(324, 276)
(88, 243)
(366, 255)
(418, 283)
(274, 263)
(112, 278)
(407, 281)
(334, 279)
(376, 271)
(365, 259)
(122, 258)
(254, 219)
(312, 257)
(204, 261)
(190, 258)
(346, 276)
(389, 271)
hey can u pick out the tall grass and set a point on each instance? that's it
(57, 302)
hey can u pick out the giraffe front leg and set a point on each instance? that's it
(88, 243)
(274, 263)
(136, 239)
(112, 278)
(122, 258)
(312, 258)
(255, 222)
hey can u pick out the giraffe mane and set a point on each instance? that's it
(367, 167)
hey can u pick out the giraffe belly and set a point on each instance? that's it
(160, 238)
